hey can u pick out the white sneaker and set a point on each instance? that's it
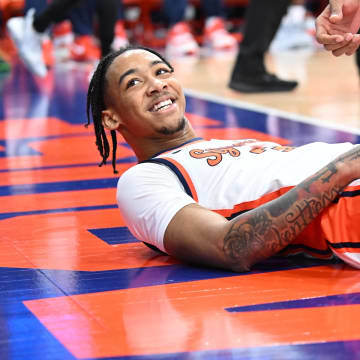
(28, 42)
(292, 33)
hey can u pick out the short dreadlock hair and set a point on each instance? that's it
(96, 104)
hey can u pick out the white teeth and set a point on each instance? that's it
(165, 103)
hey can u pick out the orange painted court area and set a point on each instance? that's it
(192, 316)
(75, 284)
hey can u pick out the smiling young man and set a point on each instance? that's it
(154, 116)
(222, 203)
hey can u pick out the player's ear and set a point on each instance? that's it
(110, 120)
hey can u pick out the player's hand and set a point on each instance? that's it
(337, 25)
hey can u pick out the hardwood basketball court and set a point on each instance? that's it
(74, 284)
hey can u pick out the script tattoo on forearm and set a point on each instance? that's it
(262, 232)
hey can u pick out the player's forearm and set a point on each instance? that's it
(262, 232)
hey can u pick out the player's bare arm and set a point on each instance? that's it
(199, 235)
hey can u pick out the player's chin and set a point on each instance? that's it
(171, 130)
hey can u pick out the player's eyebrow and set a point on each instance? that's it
(132, 71)
(126, 73)
(155, 62)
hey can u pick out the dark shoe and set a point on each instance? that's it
(260, 83)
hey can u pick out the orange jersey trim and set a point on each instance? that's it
(249, 205)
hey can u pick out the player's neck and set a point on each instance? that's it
(147, 148)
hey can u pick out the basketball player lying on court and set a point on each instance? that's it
(222, 203)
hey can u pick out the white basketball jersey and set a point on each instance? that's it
(226, 176)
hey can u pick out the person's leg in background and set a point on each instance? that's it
(55, 11)
(215, 34)
(107, 15)
(121, 38)
(27, 32)
(38, 5)
(46, 43)
(180, 41)
(82, 19)
(174, 11)
(249, 74)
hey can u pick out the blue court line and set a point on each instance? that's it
(28, 284)
(85, 282)
(114, 235)
(60, 186)
(321, 301)
(130, 159)
(55, 211)
(257, 120)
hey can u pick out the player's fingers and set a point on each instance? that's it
(341, 51)
(347, 48)
(356, 39)
(353, 46)
(326, 39)
(336, 14)
(348, 36)
(332, 47)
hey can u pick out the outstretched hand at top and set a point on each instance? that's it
(337, 27)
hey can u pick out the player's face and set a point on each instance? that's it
(144, 95)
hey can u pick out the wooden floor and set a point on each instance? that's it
(74, 284)
(328, 90)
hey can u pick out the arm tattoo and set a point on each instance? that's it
(264, 231)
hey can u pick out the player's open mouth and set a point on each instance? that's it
(162, 105)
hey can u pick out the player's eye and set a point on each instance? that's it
(162, 71)
(132, 82)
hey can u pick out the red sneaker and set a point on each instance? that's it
(84, 49)
(62, 34)
(120, 39)
(48, 52)
(180, 41)
(217, 37)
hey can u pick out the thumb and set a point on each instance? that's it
(336, 10)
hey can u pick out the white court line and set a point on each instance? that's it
(270, 111)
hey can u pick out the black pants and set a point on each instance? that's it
(263, 18)
(58, 10)
(357, 58)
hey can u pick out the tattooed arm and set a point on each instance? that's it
(198, 235)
